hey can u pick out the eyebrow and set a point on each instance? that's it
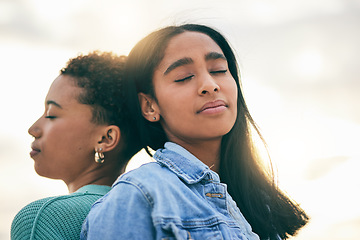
(186, 60)
(54, 103)
(178, 63)
(214, 56)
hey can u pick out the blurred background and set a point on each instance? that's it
(300, 67)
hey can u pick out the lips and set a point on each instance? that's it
(34, 151)
(213, 107)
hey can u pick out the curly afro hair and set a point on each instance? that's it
(100, 75)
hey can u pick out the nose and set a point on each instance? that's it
(35, 129)
(208, 85)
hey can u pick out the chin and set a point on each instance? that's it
(224, 130)
(42, 172)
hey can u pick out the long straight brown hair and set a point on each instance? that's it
(268, 210)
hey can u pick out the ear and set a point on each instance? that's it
(110, 138)
(149, 108)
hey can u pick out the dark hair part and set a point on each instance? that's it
(268, 210)
(100, 75)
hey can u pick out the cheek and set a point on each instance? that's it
(175, 105)
(62, 132)
(69, 136)
(232, 96)
(233, 91)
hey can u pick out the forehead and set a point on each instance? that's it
(63, 89)
(188, 44)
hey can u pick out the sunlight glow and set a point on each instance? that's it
(309, 63)
(138, 159)
(299, 69)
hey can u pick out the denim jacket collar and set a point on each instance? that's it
(185, 165)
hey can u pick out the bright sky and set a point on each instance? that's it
(300, 69)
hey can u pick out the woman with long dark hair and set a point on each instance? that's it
(186, 97)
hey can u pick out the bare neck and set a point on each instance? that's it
(98, 175)
(208, 152)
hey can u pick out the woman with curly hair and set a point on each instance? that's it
(84, 139)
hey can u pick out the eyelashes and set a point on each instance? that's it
(211, 72)
(184, 79)
(219, 71)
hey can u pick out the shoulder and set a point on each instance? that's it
(65, 201)
(47, 214)
(148, 182)
(31, 210)
(22, 225)
(150, 175)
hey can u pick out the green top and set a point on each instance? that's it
(56, 217)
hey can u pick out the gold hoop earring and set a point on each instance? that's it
(99, 156)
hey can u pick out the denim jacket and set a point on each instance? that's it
(176, 197)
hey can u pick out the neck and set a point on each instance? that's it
(208, 152)
(74, 186)
(99, 175)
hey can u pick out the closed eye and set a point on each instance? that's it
(50, 117)
(219, 71)
(184, 79)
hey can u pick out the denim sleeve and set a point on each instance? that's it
(124, 213)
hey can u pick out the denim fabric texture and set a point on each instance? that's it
(176, 197)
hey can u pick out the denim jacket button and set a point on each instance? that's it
(218, 195)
